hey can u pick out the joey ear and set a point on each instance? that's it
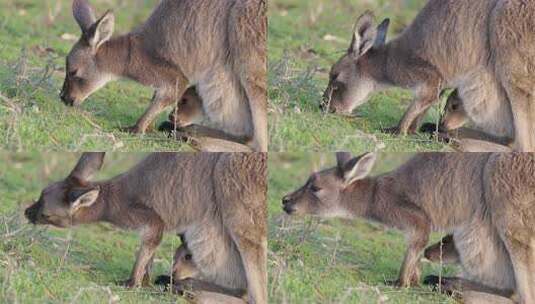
(382, 30)
(88, 164)
(364, 34)
(101, 31)
(81, 198)
(358, 168)
(83, 14)
(342, 158)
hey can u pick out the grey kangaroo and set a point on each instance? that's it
(184, 268)
(449, 45)
(189, 114)
(471, 251)
(471, 195)
(492, 119)
(217, 201)
(216, 46)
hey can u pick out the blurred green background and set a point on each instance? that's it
(35, 37)
(306, 37)
(335, 261)
(80, 265)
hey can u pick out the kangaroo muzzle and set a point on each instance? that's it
(288, 205)
(32, 212)
(65, 96)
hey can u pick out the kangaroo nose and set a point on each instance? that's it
(66, 99)
(31, 212)
(287, 205)
(285, 200)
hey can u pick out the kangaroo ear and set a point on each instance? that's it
(100, 31)
(382, 30)
(364, 35)
(80, 198)
(83, 14)
(342, 158)
(88, 164)
(358, 168)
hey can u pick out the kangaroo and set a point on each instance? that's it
(493, 120)
(184, 269)
(450, 44)
(477, 262)
(185, 120)
(217, 201)
(468, 194)
(217, 46)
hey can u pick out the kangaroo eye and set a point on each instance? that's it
(73, 73)
(315, 188)
(454, 107)
(188, 257)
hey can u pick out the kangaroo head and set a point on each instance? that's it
(63, 203)
(351, 80)
(324, 193)
(84, 73)
(443, 251)
(454, 115)
(183, 265)
(189, 109)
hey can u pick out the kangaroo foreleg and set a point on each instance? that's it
(160, 101)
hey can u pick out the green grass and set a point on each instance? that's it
(32, 58)
(80, 265)
(306, 37)
(334, 261)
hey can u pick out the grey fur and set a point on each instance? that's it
(217, 46)
(451, 43)
(471, 195)
(217, 201)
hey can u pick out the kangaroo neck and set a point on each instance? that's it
(114, 56)
(97, 211)
(360, 197)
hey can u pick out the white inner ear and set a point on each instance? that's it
(363, 43)
(361, 169)
(85, 200)
(103, 31)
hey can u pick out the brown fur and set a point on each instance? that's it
(217, 46)
(482, 256)
(493, 125)
(443, 251)
(217, 201)
(470, 194)
(184, 123)
(431, 54)
(186, 272)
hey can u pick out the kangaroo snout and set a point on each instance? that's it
(31, 213)
(288, 205)
(66, 98)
